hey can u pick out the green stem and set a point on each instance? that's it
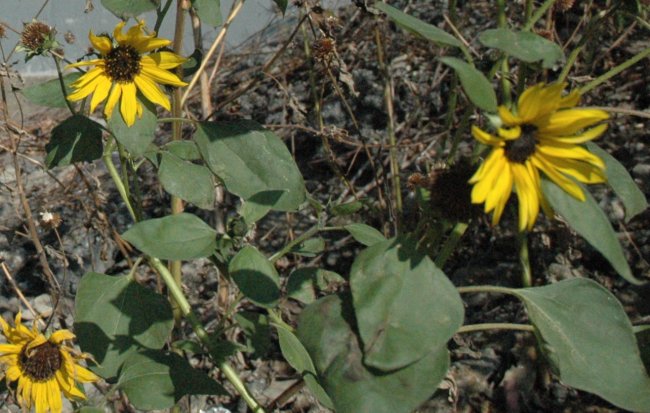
(538, 15)
(569, 63)
(486, 289)
(524, 260)
(305, 235)
(450, 245)
(107, 157)
(200, 331)
(160, 15)
(276, 318)
(615, 70)
(62, 85)
(495, 326)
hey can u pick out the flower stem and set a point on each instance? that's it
(524, 260)
(495, 326)
(107, 157)
(305, 235)
(538, 15)
(615, 70)
(450, 245)
(486, 289)
(200, 331)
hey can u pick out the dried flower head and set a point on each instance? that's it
(324, 49)
(3, 31)
(50, 220)
(37, 38)
(563, 5)
(69, 37)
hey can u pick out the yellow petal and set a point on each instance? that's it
(539, 101)
(25, 391)
(485, 137)
(486, 174)
(39, 395)
(87, 78)
(161, 76)
(10, 348)
(570, 100)
(508, 118)
(117, 33)
(528, 195)
(100, 43)
(151, 91)
(569, 121)
(40, 339)
(147, 44)
(113, 98)
(101, 91)
(582, 171)
(85, 63)
(84, 375)
(61, 335)
(13, 373)
(54, 397)
(560, 150)
(585, 136)
(567, 185)
(128, 106)
(164, 60)
(509, 134)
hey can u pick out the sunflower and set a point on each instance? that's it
(43, 367)
(123, 68)
(543, 134)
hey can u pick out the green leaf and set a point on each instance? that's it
(89, 409)
(346, 209)
(193, 62)
(186, 150)
(76, 139)
(257, 329)
(136, 138)
(365, 234)
(124, 9)
(257, 206)
(309, 248)
(325, 330)
(49, 93)
(643, 338)
(256, 277)
(297, 356)
(250, 159)
(417, 26)
(476, 86)
(188, 181)
(388, 282)
(588, 220)
(209, 11)
(115, 317)
(622, 183)
(282, 5)
(174, 237)
(304, 282)
(587, 337)
(525, 46)
(157, 380)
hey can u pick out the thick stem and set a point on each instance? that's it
(450, 245)
(524, 260)
(615, 70)
(538, 14)
(495, 326)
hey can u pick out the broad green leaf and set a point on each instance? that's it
(298, 357)
(138, 137)
(347, 208)
(185, 150)
(622, 183)
(417, 26)
(129, 8)
(209, 11)
(304, 282)
(478, 89)
(588, 339)
(256, 277)
(76, 139)
(591, 222)
(49, 93)
(365, 234)
(250, 159)
(325, 330)
(526, 46)
(157, 380)
(643, 338)
(405, 306)
(175, 237)
(188, 181)
(282, 5)
(257, 329)
(115, 317)
(257, 206)
(310, 247)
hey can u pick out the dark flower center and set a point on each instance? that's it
(122, 64)
(519, 150)
(41, 362)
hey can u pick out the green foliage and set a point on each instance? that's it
(115, 317)
(476, 86)
(250, 159)
(525, 46)
(326, 330)
(365, 234)
(588, 339)
(257, 329)
(347, 208)
(76, 139)
(49, 93)
(304, 282)
(209, 11)
(136, 138)
(417, 26)
(129, 8)
(622, 183)
(256, 277)
(309, 248)
(282, 5)
(185, 150)
(257, 206)
(188, 181)
(176, 237)
(388, 281)
(157, 380)
(591, 222)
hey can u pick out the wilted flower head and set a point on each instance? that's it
(543, 133)
(37, 38)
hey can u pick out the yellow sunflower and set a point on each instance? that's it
(543, 134)
(123, 68)
(43, 367)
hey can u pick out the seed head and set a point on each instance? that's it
(37, 38)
